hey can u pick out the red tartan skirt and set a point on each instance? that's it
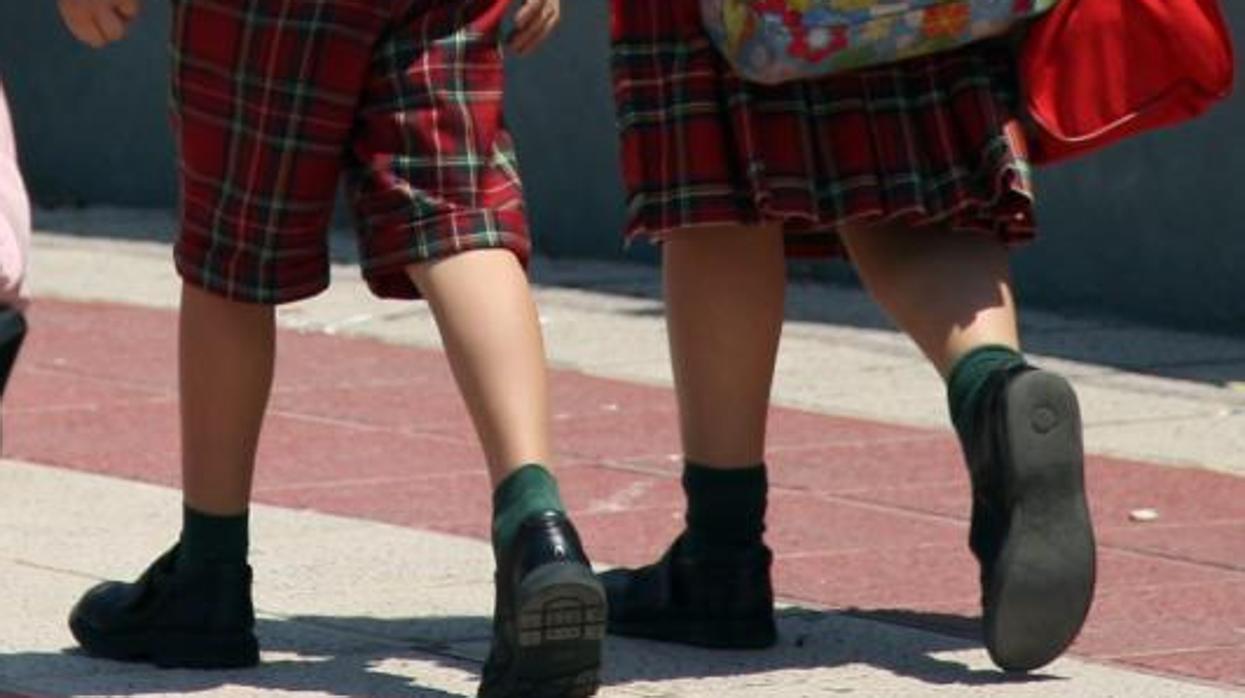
(932, 141)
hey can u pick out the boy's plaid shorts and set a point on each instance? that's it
(274, 100)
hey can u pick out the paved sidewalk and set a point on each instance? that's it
(869, 507)
(355, 608)
(361, 609)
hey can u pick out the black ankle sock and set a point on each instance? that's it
(968, 378)
(207, 538)
(725, 508)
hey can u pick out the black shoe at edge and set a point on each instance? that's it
(723, 601)
(549, 617)
(174, 616)
(12, 333)
(1031, 528)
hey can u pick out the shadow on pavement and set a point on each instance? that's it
(299, 658)
(813, 640)
(362, 657)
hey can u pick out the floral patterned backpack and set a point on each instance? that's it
(773, 41)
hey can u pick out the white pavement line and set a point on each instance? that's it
(838, 357)
(356, 608)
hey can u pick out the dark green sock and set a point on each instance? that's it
(969, 377)
(527, 491)
(213, 539)
(725, 508)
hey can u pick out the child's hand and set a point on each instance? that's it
(98, 23)
(533, 23)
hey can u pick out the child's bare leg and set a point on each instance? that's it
(1020, 429)
(950, 292)
(724, 312)
(488, 322)
(192, 608)
(226, 364)
(724, 309)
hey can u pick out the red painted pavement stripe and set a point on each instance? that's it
(865, 514)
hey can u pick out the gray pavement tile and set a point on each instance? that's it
(592, 342)
(351, 310)
(71, 539)
(377, 555)
(863, 348)
(1107, 405)
(419, 616)
(142, 275)
(1215, 441)
(853, 382)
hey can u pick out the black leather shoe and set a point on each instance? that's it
(724, 601)
(12, 332)
(1031, 528)
(549, 617)
(174, 616)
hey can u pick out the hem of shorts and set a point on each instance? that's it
(764, 212)
(377, 269)
(232, 292)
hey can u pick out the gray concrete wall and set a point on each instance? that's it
(92, 126)
(1154, 227)
(1151, 229)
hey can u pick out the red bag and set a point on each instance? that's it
(1098, 71)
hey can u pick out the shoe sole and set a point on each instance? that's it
(1043, 581)
(170, 650)
(560, 612)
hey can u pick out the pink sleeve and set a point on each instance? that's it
(14, 214)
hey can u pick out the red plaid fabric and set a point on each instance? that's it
(933, 140)
(275, 99)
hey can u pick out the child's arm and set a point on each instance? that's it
(533, 23)
(98, 23)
